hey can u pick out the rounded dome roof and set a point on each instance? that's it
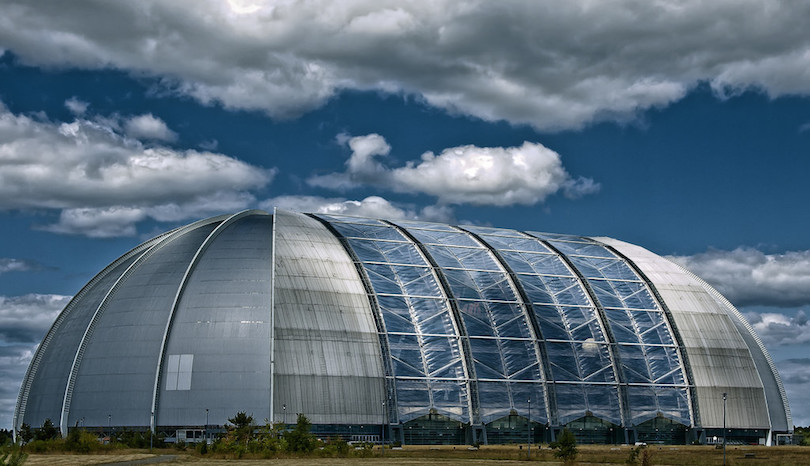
(364, 321)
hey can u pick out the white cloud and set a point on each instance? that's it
(15, 265)
(372, 206)
(499, 176)
(778, 329)
(76, 106)
(795, 375)
(24, 320)
(549, 64)
(149, 127)
(747, 276)
(105, 181)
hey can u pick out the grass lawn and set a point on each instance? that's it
(461, 455)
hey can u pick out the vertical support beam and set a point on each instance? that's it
(528, 309)
(464, 339)
(612, 346)
(676, 335)
(274, 225)
(178, 296)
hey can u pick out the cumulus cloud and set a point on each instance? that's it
(104, 181)
(499, 176)
(778, 329)
(553, 65)
(747, 276)
(149, 127)
(76, 106)
(372, 206)
(15, 265)
(795, 375)
(25, 319)
(14, 360)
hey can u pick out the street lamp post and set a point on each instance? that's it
(529, 429)
(383, 427)
(205, 431)
(284, 410)
(724, 428)
(109, 427)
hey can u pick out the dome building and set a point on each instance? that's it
(411, 331)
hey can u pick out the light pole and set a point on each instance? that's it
(109, 426)
(724, 428)
(529, 429)
(284, 409)
(205, 431)
(383, 428)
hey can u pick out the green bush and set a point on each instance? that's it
(300, 439)
(566, 447)
(81, 441)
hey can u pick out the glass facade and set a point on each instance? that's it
(483, 322)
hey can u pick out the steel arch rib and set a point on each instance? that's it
(473, 403)
(77, 359)
(25, 388)
(179, 294)
(603, 321)
(528, 310)
(676, 335)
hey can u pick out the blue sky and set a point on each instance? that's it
(676, 126)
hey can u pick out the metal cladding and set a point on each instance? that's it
(361, 321)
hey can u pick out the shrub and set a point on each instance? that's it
(566, 447)
(81, 441)
(300, 439)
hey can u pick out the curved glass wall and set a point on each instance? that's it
(580, 363)
(427, 361)
(503, 347)
(647, 352)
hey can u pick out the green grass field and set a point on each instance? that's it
(458, 455)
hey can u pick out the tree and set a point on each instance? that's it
(300, 438)
(26, 434)
(566, 446)
(242, 425)
(47, 432)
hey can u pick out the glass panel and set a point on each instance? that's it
(444, 238)
(582, 249)
(366, 251)
(351, 230)
(493, 231)
(503, 243)
(350, 219)
(417, 281)
(383, 279)
(487, 356)
(400, 253)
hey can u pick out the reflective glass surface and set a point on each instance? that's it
(648, 354)
(423, 339)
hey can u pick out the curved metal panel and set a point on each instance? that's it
(220, 324)
(46, 379)
(327, 353)
(115, 365)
